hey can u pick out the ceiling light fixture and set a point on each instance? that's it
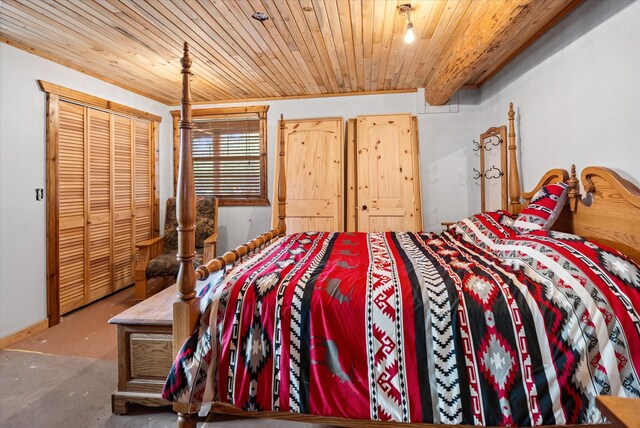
(405, 10)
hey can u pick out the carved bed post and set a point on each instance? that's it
(185, 309)
(574, 195)
(282, 185)
(514, 177)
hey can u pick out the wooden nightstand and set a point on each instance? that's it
(145, 351)
(622, 412)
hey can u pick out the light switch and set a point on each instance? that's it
(39, 194)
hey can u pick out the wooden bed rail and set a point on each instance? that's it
(230, 257)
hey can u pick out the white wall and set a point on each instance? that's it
(577, 92)
(22, 169)
(444, 147)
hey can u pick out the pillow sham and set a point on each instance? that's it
(544, 208)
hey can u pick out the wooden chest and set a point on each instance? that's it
(145, 352)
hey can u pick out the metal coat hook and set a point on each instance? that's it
(477, 147)
(478, 174)
(497, 174)
(490, 142)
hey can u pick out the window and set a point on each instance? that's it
(229, 154)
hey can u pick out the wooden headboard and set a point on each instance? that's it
(608, 212)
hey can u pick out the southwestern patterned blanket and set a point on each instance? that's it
(479, 325)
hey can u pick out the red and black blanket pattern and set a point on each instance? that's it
(419, 327)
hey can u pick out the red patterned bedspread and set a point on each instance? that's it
(479, 325)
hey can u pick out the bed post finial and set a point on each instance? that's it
(282, 184)
(514, 176)
(574, 189)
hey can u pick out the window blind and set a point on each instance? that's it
(227, 159)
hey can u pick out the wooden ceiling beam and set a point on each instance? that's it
(489, 27)
(531, 33)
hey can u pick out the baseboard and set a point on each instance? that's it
(24, 333)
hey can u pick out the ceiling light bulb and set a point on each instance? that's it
(409, 36)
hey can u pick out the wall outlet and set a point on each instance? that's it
(39, 194)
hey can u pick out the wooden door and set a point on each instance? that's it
(387, 174)
(99, 209)
(71, 209)
(352, 209)
(100, 175)
(417, 178)
(314, 154)
(143, 226)
(122, 173)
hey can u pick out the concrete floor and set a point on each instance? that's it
(84, 332)
(64, 376)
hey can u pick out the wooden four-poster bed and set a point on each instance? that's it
(611, 219)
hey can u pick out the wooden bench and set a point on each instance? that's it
(145, 352)
(622, 412)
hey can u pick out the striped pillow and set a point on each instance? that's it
(544, 208)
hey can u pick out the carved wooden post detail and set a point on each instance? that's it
(514, 177)
(574, 195)
(282, 185)
(185, 309)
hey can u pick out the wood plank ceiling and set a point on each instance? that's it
(305, 48)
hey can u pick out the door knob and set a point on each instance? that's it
(364, 208)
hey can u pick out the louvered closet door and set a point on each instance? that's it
(105, 201)
(100, 250)
(314, 153)
(142, 181)
(123, 249)
(385, 164)
(71, 209)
